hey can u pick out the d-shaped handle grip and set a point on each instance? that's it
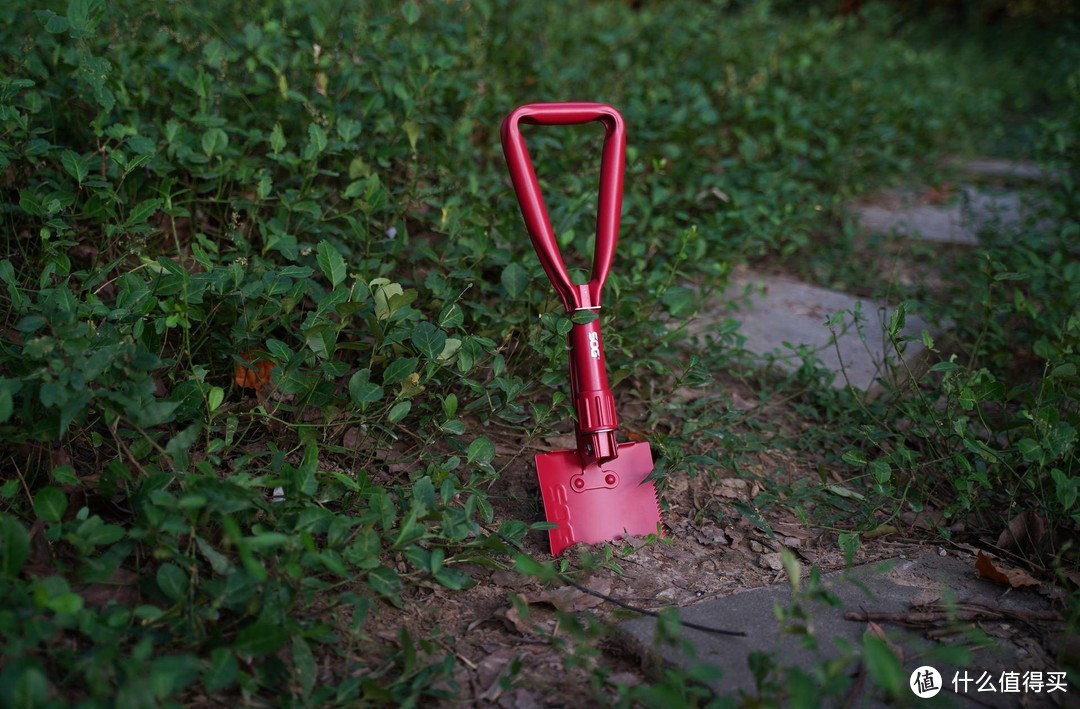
(537, 221)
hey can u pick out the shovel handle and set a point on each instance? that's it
(574, 297)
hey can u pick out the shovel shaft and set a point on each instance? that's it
(593, 402)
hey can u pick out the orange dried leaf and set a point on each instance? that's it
(254, 373)
(1016, 578)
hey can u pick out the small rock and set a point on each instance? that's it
(771, 562)
(668, 595)
(352, 437)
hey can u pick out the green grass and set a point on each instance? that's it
(189, 188)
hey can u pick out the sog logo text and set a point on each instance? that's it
(594, 345)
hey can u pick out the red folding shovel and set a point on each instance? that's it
(597, 492)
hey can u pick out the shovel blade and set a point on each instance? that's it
(598, 503)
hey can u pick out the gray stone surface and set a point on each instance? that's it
(778, 315)
(891, 587)
(1001, 169)
(958, 222)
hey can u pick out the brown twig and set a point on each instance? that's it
(964, 612)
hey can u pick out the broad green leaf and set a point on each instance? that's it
(881, 471)
(259, 639)
(142, 211)
(451, 316)
(385, 582)
(849, 544)
(450, 348)
(215, 397)
(172, 674)
(1064, 371)
(514, 279)
(82, 16)
(792, 568)
(221, 670)
(1030, 449)
(180, 446)
(679, 300)
(303, 665)
(29, 688)
(172, 581)
(322, 340)
(331, 263)
(309, 467)
(453, 579)
(1065, 489)
(75, 165)
(397, 370)
(525, 564)
(8, 389)
(399, 411)
(50, 503)
(279, 350)
(54, 24)
(14, 546)
(410, 10)
(214, 142)
(316, 138)
(69, 603)
(841, 491)
(362, 391)
(423, 491)
(64, 475)
(384, 292)
(428, 339)
(853, 457)
(218, 561)
(267, 540)
(883, 665)
(277, 138)
(481, 451)
(412, 132)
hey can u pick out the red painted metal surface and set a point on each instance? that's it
(597, 492)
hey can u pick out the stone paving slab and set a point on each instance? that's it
(890, 587)
(1003, 169)
(779, 314)
(958, 222)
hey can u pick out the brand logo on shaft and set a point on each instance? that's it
(594, 345)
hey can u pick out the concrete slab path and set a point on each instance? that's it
(957, 222)
(892, 587)
(779, 315)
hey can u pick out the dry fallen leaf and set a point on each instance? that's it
(524, 626)
(1025, 531)
(734, 489)
(570, 599)
(122, 587)
(255, 372)
(489, 669)
(1016, 578)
